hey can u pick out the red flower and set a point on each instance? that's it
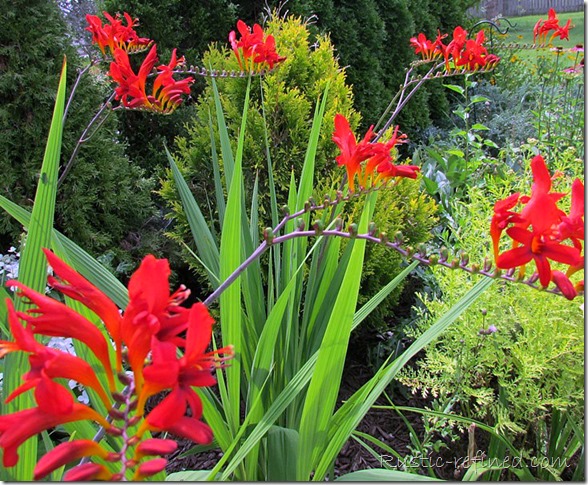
(254, 51)
(67, 452)
(116, 35)
(352, 153)
(543, 27)
(537, 247)
(166, 93)
(152, 312)
(18, 427)
(193, 369)
(47, 364)
(53, 318)
(74, 285)
(428, 49)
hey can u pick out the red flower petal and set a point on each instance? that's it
(65, 453)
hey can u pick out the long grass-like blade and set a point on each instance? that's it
(353, 410)
(33, 268)
(203, 238)
(324, 386)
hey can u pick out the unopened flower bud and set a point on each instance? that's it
(484, 312)
(464, 258)
(475, 267)
(338, 224)
(285, 211)
(327, 199)
(534, 277)
(300, 224)
(352, 229)
(383, 237)
(422, 250)
(318, 226)
(443, 254)
(433, 259)
(398, 237)
(487, 265)
(307, 205)
(116, 414)
(124, 379)
(454, 264)
(268, 235)
(372, 228)
(510, 272)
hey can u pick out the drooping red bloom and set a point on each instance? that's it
(67, 452)
(254, 51)
(537, 247)
(116, 35)
(166, 93)
(543, 27)
(18, 427)
(352, 152)
(541, 231)
(428, 49)
(193, 369)
(151, 324)
(47, 364)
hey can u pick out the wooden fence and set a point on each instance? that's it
(511, 8)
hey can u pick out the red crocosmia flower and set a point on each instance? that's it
(388, 170)
(193, 369)
(149, 468)
(543, 27)
(54, 319)
(454, 48)
(502, 218)
(253, 50)
(67, 452)
(383, 152)
(564, 284)
(541, 209)
(155, 446)
(88, 472)
(18, 427)
(74, 285)
(166, 93)
(352, 153)
(428, 49)
(474, 54)
(537, 247)
(47, 364)
(116, 35)
(572, 224)
(152, 312)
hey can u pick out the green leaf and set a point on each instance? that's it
(479, 127)
(324, 385)
(355, 408)
(203, 238)
(478, 98)
(33, 268)
(384, 475)
(282, 444)
(188, 476)
(456, 88)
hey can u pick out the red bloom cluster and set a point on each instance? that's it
(543, 27)
(254, 50)
(379, 157)
(166, 93)
(460, 53)
(154, 326)
(541, 229)
(115, 35)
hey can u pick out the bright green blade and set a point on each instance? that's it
(33, 270)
